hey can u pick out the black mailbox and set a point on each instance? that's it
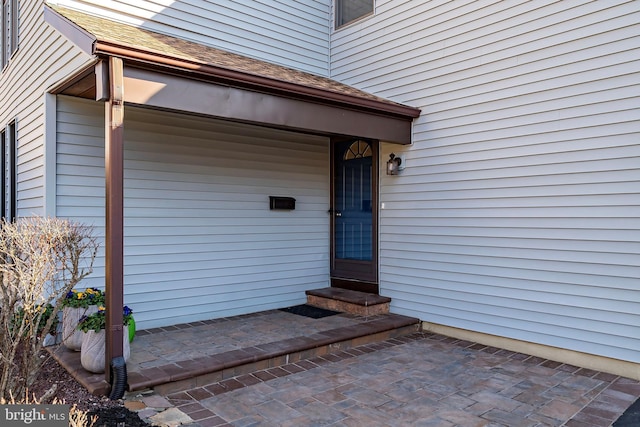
(282, 203)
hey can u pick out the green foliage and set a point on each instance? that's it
(97, 321)
(42, 315)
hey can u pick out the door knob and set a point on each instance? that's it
(338, 213)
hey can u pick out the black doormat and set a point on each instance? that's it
(310, 311)
(631, 417)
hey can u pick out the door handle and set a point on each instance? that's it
(338, 214)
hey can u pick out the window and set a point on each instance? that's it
(8, 142)
(358, 150)
(9, 31)
(349, 10)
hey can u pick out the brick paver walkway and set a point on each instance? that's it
(420, 380)
(161, 346)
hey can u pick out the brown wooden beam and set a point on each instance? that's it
(114, 238)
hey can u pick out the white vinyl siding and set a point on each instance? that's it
(43, 59)
(517, 212)
(200, 240)
(293, 34)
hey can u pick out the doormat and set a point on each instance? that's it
(310, 311)
(631, 417)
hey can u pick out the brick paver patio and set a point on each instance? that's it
(419, 380)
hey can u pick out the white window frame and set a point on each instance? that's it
(338, 13)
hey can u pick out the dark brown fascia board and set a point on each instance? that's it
(81, 38)
(251, 81)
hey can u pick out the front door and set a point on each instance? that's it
(354, 214)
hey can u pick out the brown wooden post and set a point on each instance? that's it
(114, 233)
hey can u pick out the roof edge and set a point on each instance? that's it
(146, 58)
(242, 79)
(78, 36)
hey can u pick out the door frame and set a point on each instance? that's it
(353, 274)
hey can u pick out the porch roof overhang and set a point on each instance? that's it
(140, 67)
(166, 72)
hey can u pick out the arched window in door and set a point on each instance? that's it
(358, 150)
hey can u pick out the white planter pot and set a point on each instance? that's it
(92, 353)
(93, 349)
(71, 336)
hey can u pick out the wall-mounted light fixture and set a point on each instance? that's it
(393, 164)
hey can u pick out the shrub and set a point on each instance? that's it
(46, 310)
(77, 417)
(41, 260)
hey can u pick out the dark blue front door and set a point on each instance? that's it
(354, 238)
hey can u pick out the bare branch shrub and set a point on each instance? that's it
(77, 417)
(41, 259)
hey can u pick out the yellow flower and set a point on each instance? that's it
(80, 295)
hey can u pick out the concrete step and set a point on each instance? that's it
(347, 301)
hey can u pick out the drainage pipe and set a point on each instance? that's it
(118, 378)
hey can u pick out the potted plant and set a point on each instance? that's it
(94, 339)
(75, 305)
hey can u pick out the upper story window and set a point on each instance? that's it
(9, 27)
(347, 11)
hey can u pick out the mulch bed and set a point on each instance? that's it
(109, 412)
